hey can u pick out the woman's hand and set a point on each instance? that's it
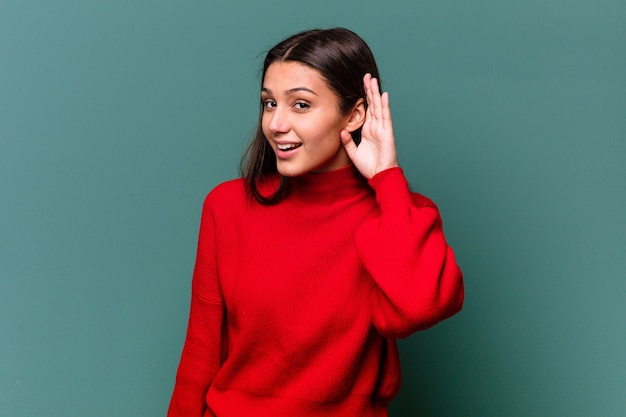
(377, 150)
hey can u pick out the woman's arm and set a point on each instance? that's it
(404, 249)
(417, 278)
(201, 356)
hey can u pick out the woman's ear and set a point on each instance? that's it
(357, 116)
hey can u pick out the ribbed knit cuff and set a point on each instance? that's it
(392, 189)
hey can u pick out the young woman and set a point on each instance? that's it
(312, 264)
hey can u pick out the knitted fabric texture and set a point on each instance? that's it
(296, 306)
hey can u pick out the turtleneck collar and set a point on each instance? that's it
(327, 187)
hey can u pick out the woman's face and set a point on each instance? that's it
(301, 120)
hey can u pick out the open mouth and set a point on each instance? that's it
(288, 146)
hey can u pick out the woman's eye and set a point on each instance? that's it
(269, 103)
(300, 105)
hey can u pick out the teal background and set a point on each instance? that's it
(117, 117)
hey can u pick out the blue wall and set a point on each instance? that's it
(117, 117)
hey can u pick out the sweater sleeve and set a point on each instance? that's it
(418, 282)
(202, 351)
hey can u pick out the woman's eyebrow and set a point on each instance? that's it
(291, 90)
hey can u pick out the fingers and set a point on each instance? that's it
(378, 105)
(348, 143)
(386, 111)
(373, 96)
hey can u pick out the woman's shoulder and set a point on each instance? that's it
(227, 192)
(238, 192)
(420, 200)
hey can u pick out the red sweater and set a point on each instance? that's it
(295, 307)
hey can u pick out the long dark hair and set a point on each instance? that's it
(342, 58)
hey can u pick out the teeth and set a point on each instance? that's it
(287, 146)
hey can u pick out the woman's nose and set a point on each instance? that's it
(278, 122)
